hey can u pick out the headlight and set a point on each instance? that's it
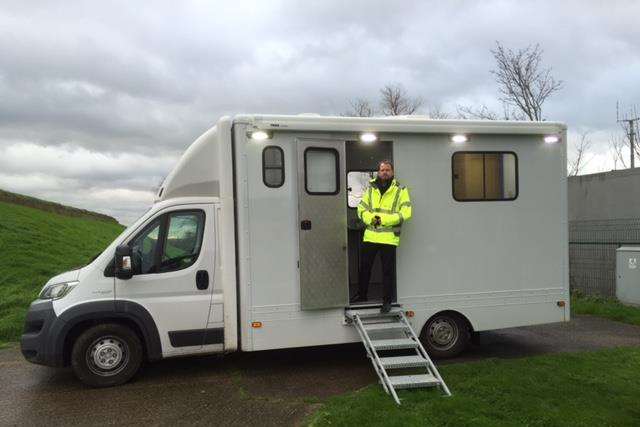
(57, 290)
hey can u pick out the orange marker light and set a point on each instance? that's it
(256, 324)
(561, 303)
(410, 313)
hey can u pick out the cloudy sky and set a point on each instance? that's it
(99, 99)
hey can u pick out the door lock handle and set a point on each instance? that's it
(202, 279)
(305, 224)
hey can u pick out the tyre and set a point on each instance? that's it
(445, 335)
(106, 355)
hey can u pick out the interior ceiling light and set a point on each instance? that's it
(551, 139)
(368, 137)
(459, 138)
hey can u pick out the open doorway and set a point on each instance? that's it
(361, 164)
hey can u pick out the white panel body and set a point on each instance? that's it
(501, 264)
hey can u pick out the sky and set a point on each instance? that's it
(98, 100)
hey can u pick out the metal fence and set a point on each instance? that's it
(592, 253)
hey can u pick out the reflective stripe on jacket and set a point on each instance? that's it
(393, 207)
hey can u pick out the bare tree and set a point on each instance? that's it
(483, 112)
(523, 83)
(577, 163)
(617, 145)
(396, 102)
(479, 113)
(360, 108)
(437, 113)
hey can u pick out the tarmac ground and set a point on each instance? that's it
(279, 387)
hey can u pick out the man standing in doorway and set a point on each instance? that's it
(385, 205)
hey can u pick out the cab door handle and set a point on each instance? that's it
(202, 279)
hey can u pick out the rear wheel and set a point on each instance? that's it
(106, 355)
(445, 335)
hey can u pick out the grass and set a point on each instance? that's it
(605, 307)
(44, 205)
(597, 388)
(36, 245)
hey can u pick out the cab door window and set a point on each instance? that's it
(183, 240)
(171, 242)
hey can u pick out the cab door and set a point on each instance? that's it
(322, 215)
(173, 260)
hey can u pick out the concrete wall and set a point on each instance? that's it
(604, 213)
(604, 196)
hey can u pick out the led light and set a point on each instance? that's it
(561, 303)
(410, 313)
(368, 137)
(260, 135)
(551, 139)
(459, 138)
(256, 324)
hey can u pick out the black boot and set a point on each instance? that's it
(386, 307)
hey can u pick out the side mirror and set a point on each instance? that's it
(124, 269)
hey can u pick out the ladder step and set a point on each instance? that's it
(413, 381)
(384, 326)
(373, 314)
(403, 362)
(393, 344)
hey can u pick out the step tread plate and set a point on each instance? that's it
(371, 314)
(413, 381)
(397, 362)
(384, 326)
(395, 343)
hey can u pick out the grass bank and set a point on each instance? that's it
(36, 245)
(605, 307)
(596, 388)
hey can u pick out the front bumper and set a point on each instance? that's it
(37, 334)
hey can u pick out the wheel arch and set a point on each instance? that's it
(456, 313)
(72, 322)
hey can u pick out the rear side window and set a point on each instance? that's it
(484, 176)
(273, 166)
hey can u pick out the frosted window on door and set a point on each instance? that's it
(321, 171)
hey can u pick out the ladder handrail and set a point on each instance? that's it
(376, 359)
(369, 353)
(424, 354)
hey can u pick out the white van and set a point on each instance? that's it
(253, 243)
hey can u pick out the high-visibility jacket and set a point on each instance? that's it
(393, 207)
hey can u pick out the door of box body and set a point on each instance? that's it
(322, 222)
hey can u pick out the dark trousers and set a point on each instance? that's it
(368, 254)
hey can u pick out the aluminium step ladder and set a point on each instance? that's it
(381, 332)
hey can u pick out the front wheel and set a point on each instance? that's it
(445, 335)
(106, 355)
